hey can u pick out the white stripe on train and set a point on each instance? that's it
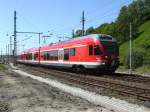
(57, 62)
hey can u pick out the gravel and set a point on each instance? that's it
(22, 94)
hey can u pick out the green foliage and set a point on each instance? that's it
(143, 69)
(90, 30)
(106, 28)
(137, 59)
(136, 13)
(123, 24)
(142, 42)
(78, 33)
(2, 67)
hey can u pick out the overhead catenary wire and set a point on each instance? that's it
(87, 14)
(29, 23)
(96, 10)
(24, 39)
(107, 14)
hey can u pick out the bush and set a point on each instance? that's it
(137, 58)
(2, 68)
(147, 58)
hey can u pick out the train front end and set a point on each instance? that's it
(109, 53)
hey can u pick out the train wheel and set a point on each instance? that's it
(111, 71)
(74, 68)
(80, 69)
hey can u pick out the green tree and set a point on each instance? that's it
(78, 33)
(137, 58)
(123, 24)
(90, 30)
(135, 13)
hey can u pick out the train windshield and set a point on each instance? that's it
(110, 47)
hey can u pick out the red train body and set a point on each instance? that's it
(96, 51)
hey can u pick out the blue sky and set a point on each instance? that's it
(58, 17)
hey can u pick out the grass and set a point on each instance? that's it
(143, 69)
(141, 42)
(121, 69)
(2, 67)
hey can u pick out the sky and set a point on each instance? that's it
(54, 18)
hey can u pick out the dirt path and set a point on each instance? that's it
(22, 94)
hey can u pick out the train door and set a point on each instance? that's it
(33, 56)
(60, 55)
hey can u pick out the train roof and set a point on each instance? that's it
(101, 37)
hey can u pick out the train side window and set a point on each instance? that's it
(30, 56)
(27, 56)
(48, 56)
(97, 51)
(90, 50)
(45, 55)
(55, 54)
(52, 55)
(35, 56)
(66, 54)
(18, 56)
(42, 54)
(72, 52)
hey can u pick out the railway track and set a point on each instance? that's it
(130, 77)
(140, 91)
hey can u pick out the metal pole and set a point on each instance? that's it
(8, 53)
(15, 41)
(72, 33)
(30, 33)
(83, 22)
(39, 48)
(10, 48)
(23, 47)
(1, 56)
(1, 53)
(130, 49)
(44, 40)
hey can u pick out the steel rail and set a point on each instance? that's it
(141, 92)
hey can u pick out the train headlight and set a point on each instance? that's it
(106, 57)
(103, 63)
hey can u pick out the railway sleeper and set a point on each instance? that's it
(140, 97)
(127, 93)
(144, 98)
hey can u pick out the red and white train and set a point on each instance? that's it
(96, 51)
